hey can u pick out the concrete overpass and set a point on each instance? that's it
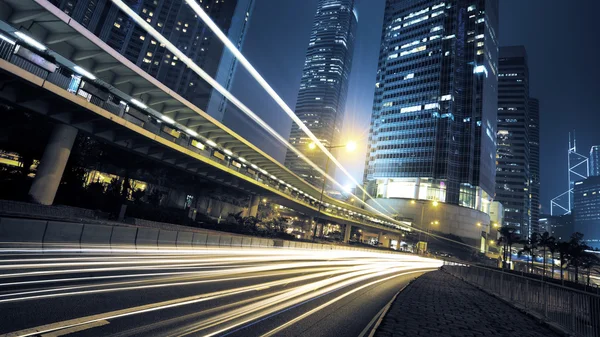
(40, 70)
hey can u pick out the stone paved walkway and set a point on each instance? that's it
(440, 305)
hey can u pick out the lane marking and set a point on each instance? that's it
(74, 329)
(380, 315)
(308, 313)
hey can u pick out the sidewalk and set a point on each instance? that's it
(438, 304)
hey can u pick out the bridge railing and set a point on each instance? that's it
(574, 311)
(63, 77)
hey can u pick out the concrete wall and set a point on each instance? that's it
(457, 220)
(17, 233)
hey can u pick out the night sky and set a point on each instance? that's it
(560, 38)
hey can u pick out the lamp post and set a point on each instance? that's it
(350, 146)
(434, 203)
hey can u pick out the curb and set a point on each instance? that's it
(385, 310)
(536, 317)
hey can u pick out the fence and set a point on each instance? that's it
(575, 311)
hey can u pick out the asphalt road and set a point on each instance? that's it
(212, 292)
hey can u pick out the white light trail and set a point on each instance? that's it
(265, 85)
(193, 66)
(292, 284)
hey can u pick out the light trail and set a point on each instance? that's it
(258, 292)
(188, 62)
(192, 65)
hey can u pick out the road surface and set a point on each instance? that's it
(209, 292)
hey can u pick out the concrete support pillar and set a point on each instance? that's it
(347, 232)
(52, 165)
(253, 207)
(380, 237)
(417, 189)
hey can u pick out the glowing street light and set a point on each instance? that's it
(351, 146)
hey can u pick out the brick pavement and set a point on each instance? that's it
(439, 305)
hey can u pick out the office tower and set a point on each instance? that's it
(595, 160)
(228, 65)
(513, 176)
(560, 226)
(433, 125)
(534, 162)
(586, 210)
(324, 84)
(172, 18)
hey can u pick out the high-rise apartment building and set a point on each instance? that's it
(433, 127)
(534, 162)
(324, 85)
(172, 18)
(513, 176)
(595, 160)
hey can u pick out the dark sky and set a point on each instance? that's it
(560, 37)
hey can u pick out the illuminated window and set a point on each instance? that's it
(116, 24)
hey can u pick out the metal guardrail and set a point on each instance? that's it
(573, 310)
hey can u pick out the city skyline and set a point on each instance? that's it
(554, 135)
(145, 187)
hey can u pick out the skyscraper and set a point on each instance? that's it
(324, 85)
(228, 65)
(514, 177)
(586, 210)
(434, 114)
(595, 160)
(172, 18)
(534, 162)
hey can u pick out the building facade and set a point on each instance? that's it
(513, 175)
(228, 65)
(586, 210)
(324, 84)
(534, 162)
(172, 18)
(559, 226)
(433, 125)
(595, 161)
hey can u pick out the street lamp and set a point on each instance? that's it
(423, 204)
(350, 146)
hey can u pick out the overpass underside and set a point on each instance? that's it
(47, 91)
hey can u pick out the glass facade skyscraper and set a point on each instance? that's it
(228, 65)
(534, 162)
(514, 178)
(324, 85)
(172, 18)
(595, 160)
(586, 210)
(433, 128)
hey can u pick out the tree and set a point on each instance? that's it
(507, 239)
(527, 250)
(545, 241)
(563, 253)
(590, 262)
(552, 248)
(576, 253)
